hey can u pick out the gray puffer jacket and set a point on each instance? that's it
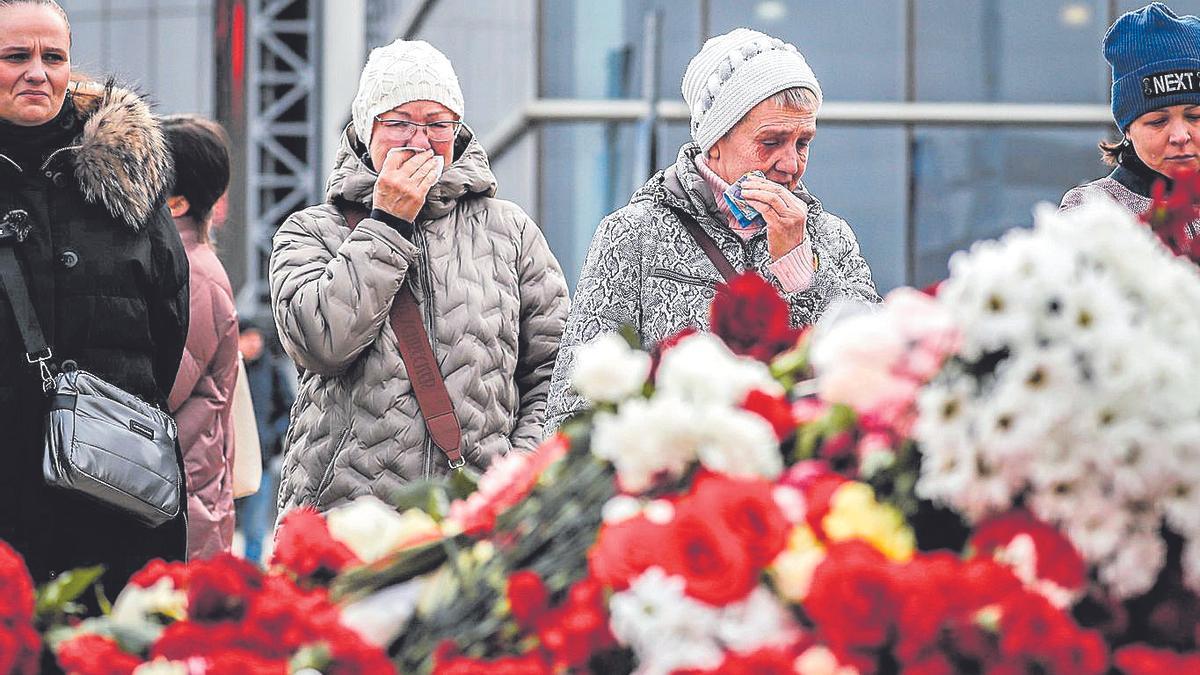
(494, 301)
(644, 270)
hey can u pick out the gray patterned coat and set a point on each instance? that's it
(494, 301)
(645, 271)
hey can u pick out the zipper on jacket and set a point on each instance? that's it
(663, 273)
(427, 303)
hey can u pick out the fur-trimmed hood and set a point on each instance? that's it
(121, 159)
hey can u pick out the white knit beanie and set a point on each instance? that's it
(406, 70)
(735, 72)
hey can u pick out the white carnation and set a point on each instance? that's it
(608, 370)
(701, 370)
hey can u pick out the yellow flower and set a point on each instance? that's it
(854, 514)
(793, 569)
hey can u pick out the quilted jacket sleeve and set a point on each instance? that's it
(331, 291)
(607, 298)
(544, 305)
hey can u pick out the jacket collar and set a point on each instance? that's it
(353, 178)
(120, 158)
(1135, 176)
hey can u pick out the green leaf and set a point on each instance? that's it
(426, 495)
(462, 484)
(55, 597)
(841, 418)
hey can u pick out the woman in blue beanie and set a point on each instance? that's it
(1155, 59)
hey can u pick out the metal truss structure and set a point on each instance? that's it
(282, 128)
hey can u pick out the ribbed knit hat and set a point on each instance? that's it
(735, 72)
(1155, 59)
(405, 70)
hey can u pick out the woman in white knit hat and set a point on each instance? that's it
(654, 263)
(424, 313)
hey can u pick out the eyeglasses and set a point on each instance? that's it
(440, 132)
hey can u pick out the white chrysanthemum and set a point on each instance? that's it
(1080, 349)
(608, 370)
(701, 370)
(666, 629)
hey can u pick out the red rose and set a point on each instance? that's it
(747, 509)
(854, 601)
(774, 409)
(305, 547)
(624, 550)
(527, 597)
(752, 319)
(713, 561)
(91, 654)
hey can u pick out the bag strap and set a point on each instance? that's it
(707, 244)
(423, 372)
(12, 230)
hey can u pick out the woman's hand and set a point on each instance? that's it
(404, 183)
(786, 214)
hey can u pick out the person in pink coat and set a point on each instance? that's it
(202, 398)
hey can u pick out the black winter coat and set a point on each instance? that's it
(108, 276)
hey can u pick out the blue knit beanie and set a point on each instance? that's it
(1155, 59)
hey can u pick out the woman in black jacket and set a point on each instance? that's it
(83, 168)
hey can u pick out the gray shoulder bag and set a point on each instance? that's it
(101, 442)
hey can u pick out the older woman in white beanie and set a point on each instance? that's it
(424, 313)
(653, 264)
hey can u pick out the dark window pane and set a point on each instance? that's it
(859, 174)
(855, 47)
(976, 183)
(1011, 50)
(585, 176)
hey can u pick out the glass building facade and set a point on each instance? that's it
(914, 189)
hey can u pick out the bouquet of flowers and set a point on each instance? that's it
(996, 479)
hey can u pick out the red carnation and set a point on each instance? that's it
(446, 661)
(747, 509)
(817, 482)
(752, 319)
(158, 569)
(91, 654)
(304, 545)
(1056, 557)
(774, 409)
(220, 587)
(1145, 660)
(527, 597)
